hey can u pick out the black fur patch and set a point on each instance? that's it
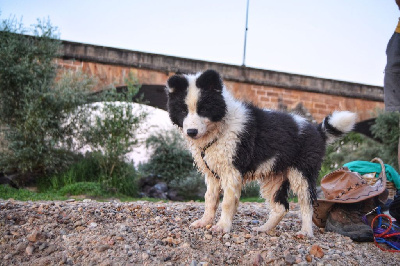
(211, 103)
(177, 83)
(210, 80)
(281, 196)
(272, 134)
(177, 108)
(330, 129)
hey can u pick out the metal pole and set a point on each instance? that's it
(245, 33)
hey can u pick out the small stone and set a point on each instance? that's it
(7, 257)
(70, 200)
(208, 236)
(40, 210)
(308, 258)
(228, 244)
(239, 240)
(258, 260)
(103, 248)
(193, 263)
(93, 225)
(78, 223)
(14, 233)
(42, 246)
(247, 236)
(145, 256)
(87, 200)
(21, 247)
(29, 250)
(290, 259)
(255, 221)
(34, 236)
(80, 228)
(208, 226)
(169, 240)
(50, 250)
(317, 251)
(226, 236)
(185, 245)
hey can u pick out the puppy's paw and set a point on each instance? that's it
(262, 228)
(201, 223)
(221, 228)
(303, 234)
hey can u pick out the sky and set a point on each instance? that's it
(341, 39)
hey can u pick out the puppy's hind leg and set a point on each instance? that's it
(275, 191)
(211, 203)
(300, 186)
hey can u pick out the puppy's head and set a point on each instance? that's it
(196, 103)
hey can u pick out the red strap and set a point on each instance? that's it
(384, 234)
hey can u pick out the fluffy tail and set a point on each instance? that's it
(337, 125)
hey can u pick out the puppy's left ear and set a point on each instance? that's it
(177, 83)
(210, 80)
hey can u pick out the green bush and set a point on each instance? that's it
(191, 187)
(170, 159)
(174, 164)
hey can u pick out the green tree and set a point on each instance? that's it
(32, 106)
(46, 115)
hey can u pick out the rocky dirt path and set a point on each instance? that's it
(143, 233)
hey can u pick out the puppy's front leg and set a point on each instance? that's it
(211, 202)
(232, 185)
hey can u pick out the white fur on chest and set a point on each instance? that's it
(220, 155)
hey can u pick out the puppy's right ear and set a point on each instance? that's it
(177, 83)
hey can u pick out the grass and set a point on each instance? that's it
(7, 192)
(77, 191)
(83, 190)
(252, 199)
(258, 199)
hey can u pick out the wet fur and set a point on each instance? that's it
(280, 150)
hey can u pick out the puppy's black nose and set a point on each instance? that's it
(192, 132)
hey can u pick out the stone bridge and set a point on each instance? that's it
(265, 88)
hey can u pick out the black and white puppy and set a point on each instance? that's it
(233, 142)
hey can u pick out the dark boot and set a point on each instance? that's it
(346, 219)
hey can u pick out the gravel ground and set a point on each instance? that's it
(143, 233)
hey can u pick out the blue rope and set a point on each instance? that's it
(383, 240)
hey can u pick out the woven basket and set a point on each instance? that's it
(371, 179)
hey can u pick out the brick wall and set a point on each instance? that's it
(263, 87)
(318, 104)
